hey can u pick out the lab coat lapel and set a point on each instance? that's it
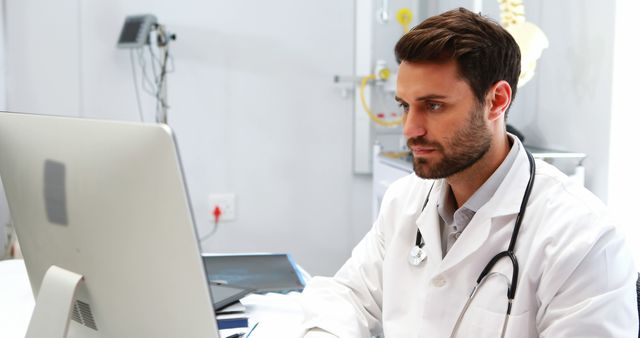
(429, 224)
(474, 236)
(506, 201)
(508, 197)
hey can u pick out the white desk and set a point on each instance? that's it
(16, 302)
(278, 315)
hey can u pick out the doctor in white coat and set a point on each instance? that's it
(413, 273)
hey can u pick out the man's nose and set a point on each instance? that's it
(414, 125)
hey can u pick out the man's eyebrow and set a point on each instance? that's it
(426, 97)
(431, 97)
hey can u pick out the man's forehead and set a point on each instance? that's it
(419, 79)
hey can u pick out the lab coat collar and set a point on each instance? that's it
(505, 202)
(508, 196)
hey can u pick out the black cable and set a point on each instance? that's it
(211, 233)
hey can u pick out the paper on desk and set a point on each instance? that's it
(278, 315)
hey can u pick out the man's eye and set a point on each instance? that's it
(434, 106)
(403, 106)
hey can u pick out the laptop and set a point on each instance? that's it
(225, 294)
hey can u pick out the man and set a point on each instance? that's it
(457, 77)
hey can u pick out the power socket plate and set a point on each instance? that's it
(227, 205)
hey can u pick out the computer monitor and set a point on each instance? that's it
(106, 201)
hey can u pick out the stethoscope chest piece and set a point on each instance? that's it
(417, 255)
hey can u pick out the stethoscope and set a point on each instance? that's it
(418, 254)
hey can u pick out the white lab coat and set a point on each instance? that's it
(577, 278)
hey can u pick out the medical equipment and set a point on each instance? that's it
(382, 73)
(404, 16)
(383, 12)
(135, 31)
(417, 254)
(138, 32)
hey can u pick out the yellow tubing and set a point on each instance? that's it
(367, 109)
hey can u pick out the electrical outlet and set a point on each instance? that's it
(227, 205)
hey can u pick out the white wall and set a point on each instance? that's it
(42, 56)
(567, 105)
(3, 84)
(624, 181)
(4, 209)
(252, 103)
(256, 113)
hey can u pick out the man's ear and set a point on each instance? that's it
(498, 99)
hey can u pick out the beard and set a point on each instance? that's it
(459, 152)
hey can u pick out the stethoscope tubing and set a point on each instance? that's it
(514, 236)
(509, 253)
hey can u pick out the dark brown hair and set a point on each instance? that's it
(486, 53)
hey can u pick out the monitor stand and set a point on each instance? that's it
(51, 314)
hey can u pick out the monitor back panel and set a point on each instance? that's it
(107, 200)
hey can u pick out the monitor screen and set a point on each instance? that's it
(106, 200)
(131, 30)
(135, 31)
